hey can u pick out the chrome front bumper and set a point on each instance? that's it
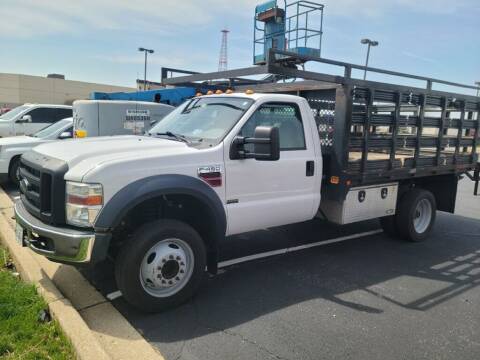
(63, 245)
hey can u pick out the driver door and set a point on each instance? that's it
(263, 194)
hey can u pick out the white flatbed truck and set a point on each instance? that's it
(226, 164)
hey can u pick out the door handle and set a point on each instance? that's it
(310, 168)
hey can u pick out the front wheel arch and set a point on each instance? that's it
(163, 188)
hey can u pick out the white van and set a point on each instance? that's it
(107, 117)
(29, 118)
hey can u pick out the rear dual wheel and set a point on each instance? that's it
(416, 213)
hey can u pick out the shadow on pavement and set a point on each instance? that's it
(365, 275)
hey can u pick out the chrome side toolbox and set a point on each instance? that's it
(362, 203)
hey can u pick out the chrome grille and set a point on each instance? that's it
(42, 187)
(30, 186)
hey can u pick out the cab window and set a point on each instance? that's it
(282, 115)
(43, 115)
(63, 113)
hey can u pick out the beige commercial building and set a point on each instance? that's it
(16, 89)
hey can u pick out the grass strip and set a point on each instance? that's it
(22, 334)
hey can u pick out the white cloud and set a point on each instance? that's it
(199, 61)
(26, 18)
(418, 57)
(23, 18)
(158, 59)
(371, 8)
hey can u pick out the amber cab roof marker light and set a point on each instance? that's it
(80, 134)
(335, 180)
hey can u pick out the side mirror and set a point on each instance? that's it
(266, 145)
(65, 135)
(25, 119)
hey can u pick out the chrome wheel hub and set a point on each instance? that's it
(167, 267)
(422, 216)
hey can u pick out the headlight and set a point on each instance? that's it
(83, 203)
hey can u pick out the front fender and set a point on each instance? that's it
(141, 190)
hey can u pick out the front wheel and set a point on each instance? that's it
(14, 172)
(161, 266)
(416, 214)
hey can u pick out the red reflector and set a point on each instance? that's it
(214, 179)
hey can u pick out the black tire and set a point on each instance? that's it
(407, 213)
(132, 253)
(389, 225)
(13, 171)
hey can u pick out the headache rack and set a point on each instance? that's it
(370, 132)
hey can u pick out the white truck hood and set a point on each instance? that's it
(13, 141)
(95, 151)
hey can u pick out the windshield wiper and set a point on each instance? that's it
(178, 137)
(190, 109)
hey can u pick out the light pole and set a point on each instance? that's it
(146, 51)
(478, 85)
(369, 43)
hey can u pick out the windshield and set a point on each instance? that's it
(206, 119)
(14, 112)
(52, 129)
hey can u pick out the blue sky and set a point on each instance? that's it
(97, 40)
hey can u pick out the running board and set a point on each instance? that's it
(284, 251)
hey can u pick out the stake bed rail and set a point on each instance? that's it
(370, 132)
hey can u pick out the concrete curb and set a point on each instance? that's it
(95, 328)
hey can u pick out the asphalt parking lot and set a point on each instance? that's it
(369, 297)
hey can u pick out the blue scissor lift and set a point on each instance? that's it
(296, 27)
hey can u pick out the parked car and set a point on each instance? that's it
(116, 117)
(29, 118)
(4, 110)
(12, 148)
